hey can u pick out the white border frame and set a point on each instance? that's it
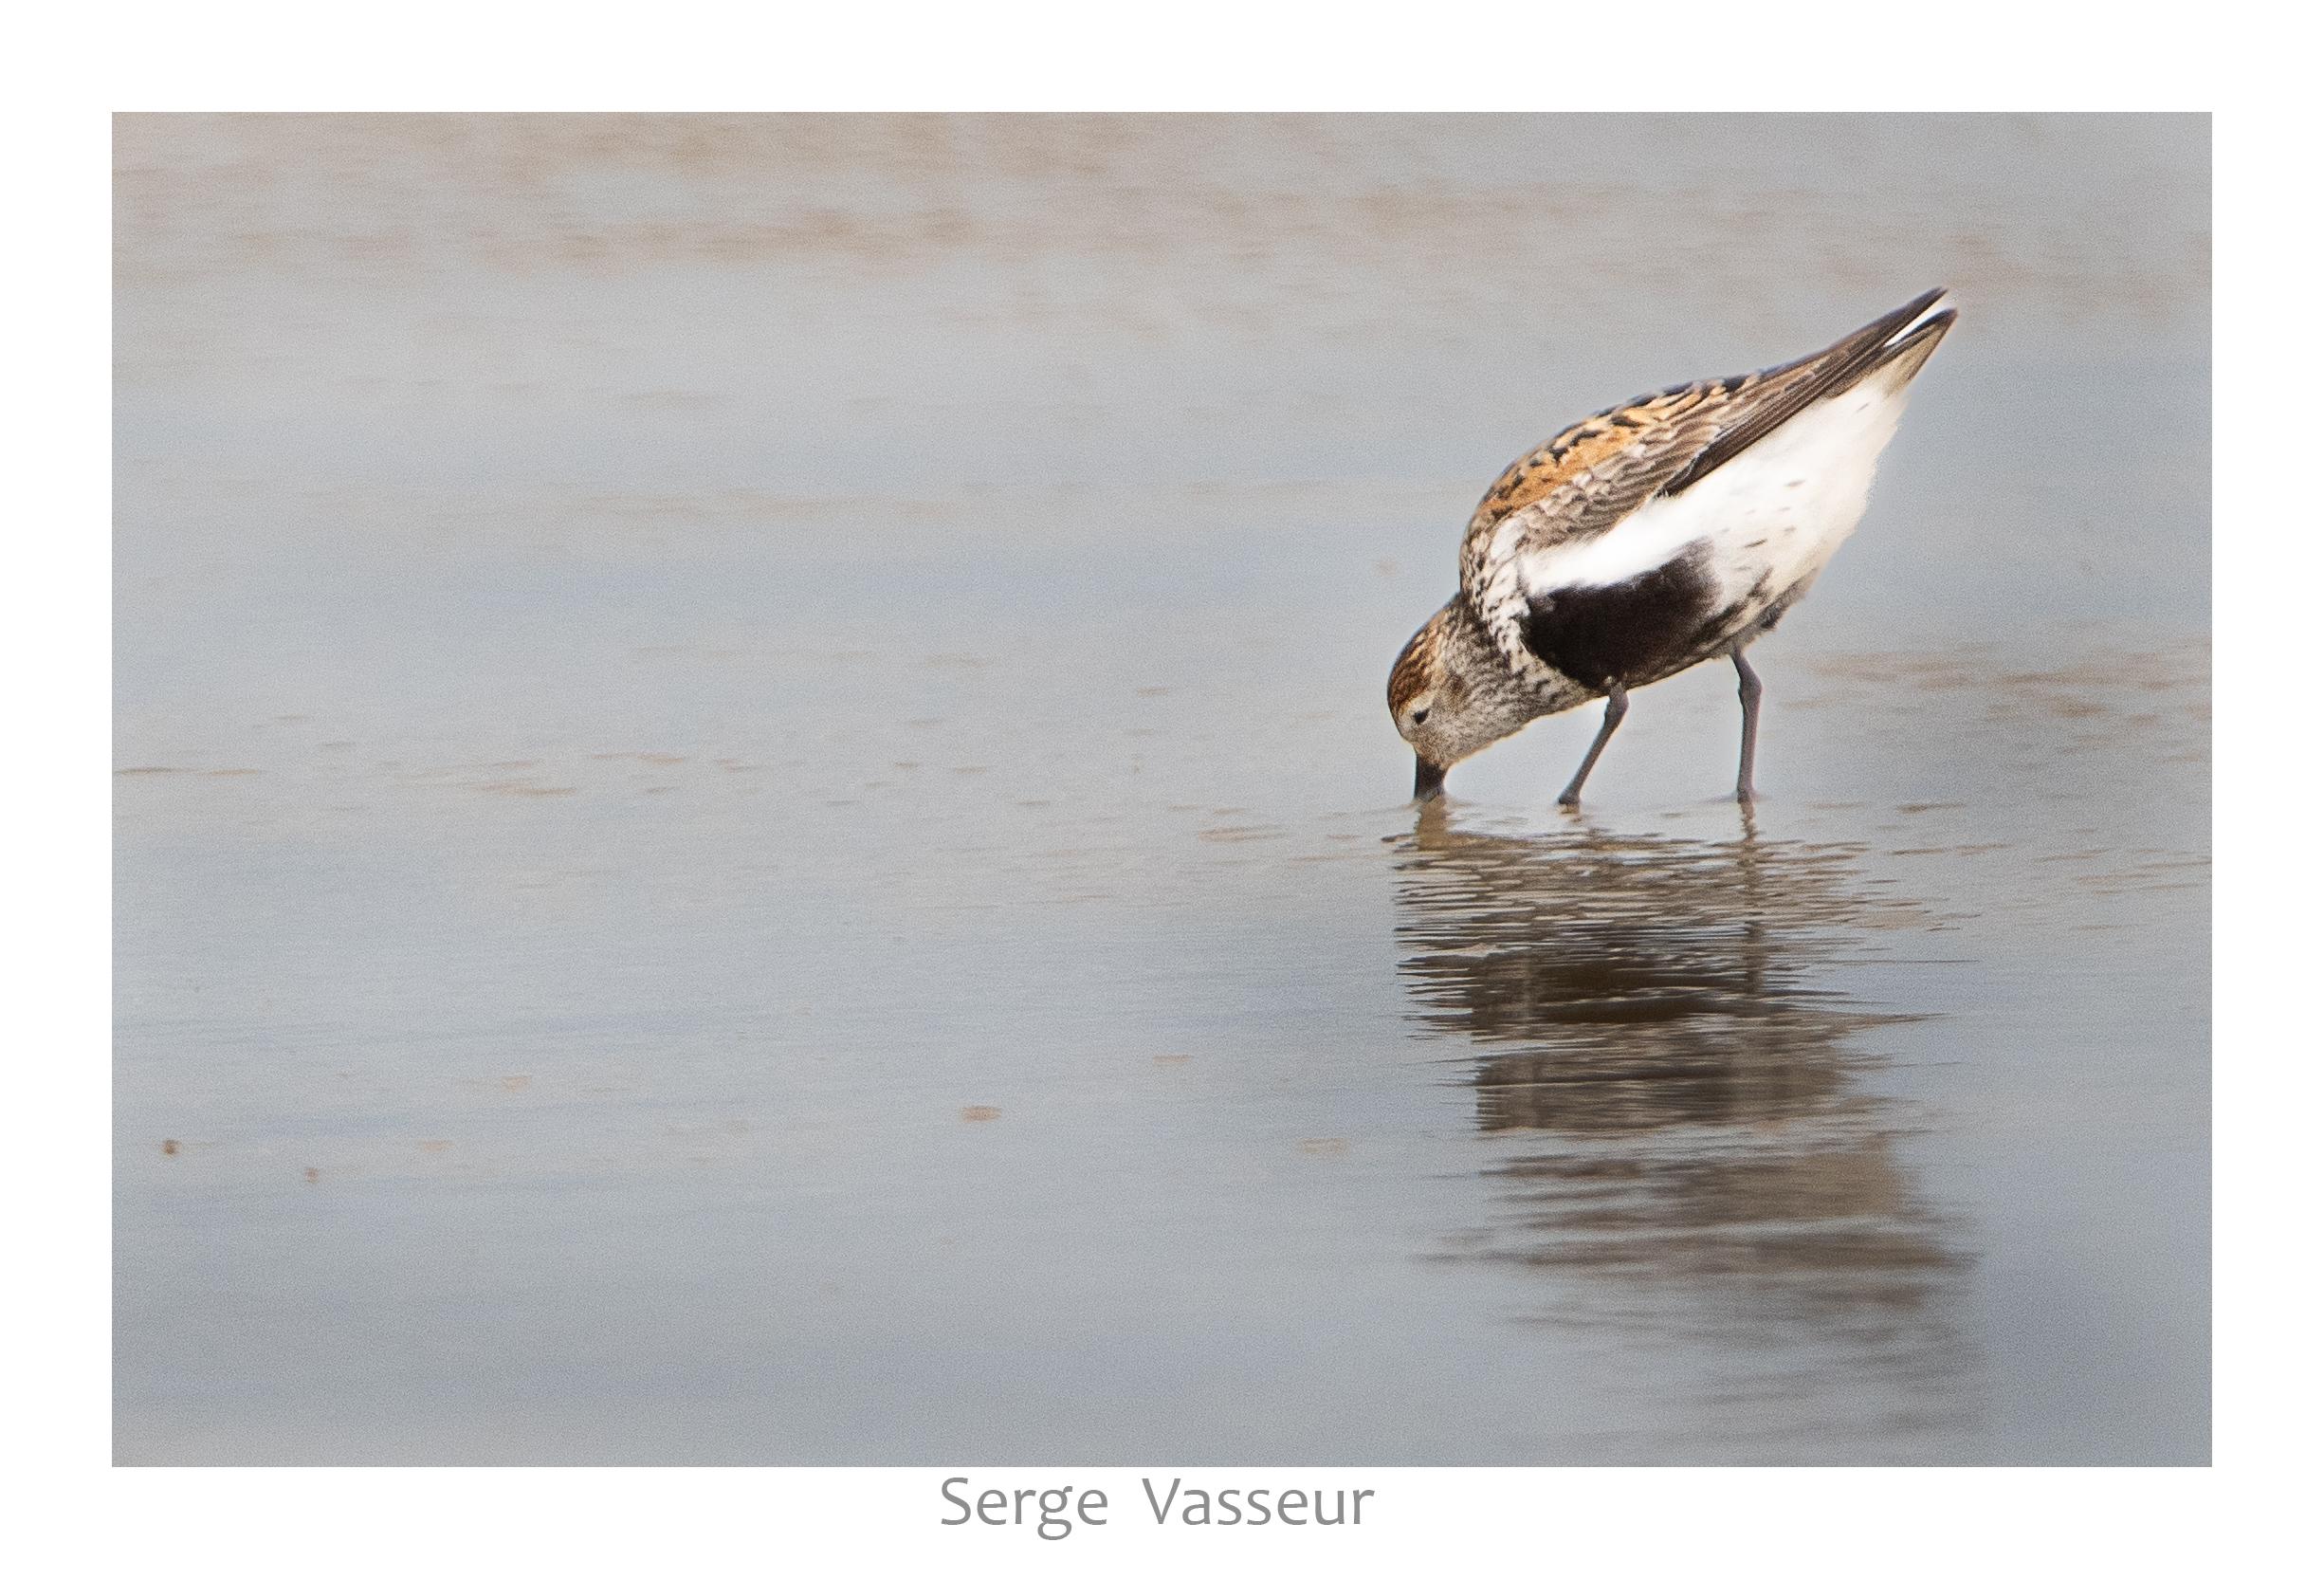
(436, 56)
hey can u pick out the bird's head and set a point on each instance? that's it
(1448, 696)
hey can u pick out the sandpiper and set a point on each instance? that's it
(1657, 534)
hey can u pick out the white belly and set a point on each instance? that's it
(1769, 520)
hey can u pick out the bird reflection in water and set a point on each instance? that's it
(1672, 1080)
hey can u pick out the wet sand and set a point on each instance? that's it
(756, 823)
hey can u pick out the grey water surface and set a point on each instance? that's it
(757, 823)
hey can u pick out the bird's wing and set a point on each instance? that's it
(1598, 472)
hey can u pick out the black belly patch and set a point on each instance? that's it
(1636, 632)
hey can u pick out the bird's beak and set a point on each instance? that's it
(1427, 779)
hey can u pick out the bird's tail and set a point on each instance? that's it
(1779, 394)
(1902, 357)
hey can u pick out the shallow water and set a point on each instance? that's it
(756, 823)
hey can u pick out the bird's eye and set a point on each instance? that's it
(1420, 716)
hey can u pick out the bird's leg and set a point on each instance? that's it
(1748, 688)
(1618, 703)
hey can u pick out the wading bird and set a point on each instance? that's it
(1657, 534)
